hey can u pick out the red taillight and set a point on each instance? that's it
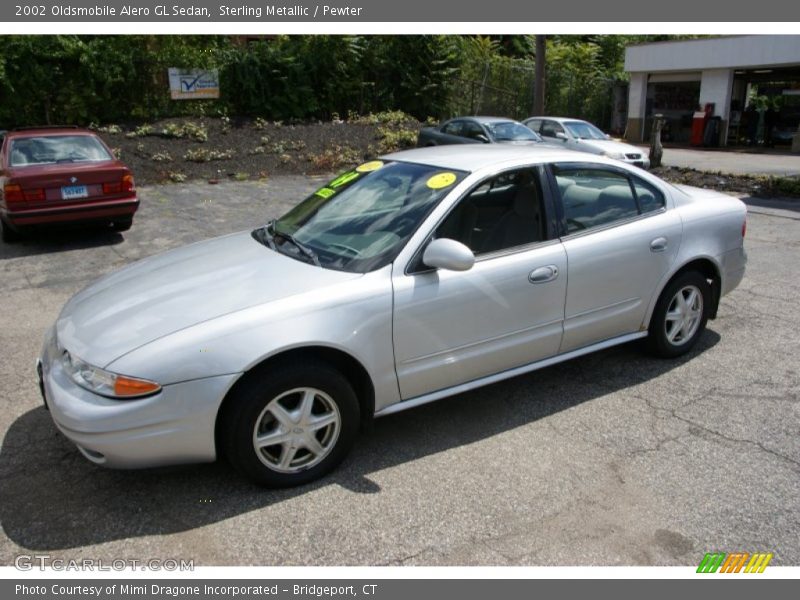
(744, 227)
(126, 184)
(34, 195)
(14, 193)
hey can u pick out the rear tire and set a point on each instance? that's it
(680, 315)
(9, 235)
(122, 225)
(290, 425)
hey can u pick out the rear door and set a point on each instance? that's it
(621, 239)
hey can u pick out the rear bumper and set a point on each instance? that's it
(733, 265)
(90, 211)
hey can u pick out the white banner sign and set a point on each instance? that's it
(193, 84)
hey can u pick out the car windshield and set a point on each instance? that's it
(584, 131)
(51, 149)
(361, 220)
(508, 131)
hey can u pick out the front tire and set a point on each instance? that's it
(680, 315)
(291, 425)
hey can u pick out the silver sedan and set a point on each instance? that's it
(407, 279)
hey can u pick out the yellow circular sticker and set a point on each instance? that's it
(372, 165)
(441, 180)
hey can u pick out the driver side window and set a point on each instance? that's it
(551, 128)
(502, 212)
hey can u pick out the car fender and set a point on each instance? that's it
(354, 318)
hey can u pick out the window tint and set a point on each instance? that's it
(650, 199)
(534, 124)
(453, 128)
(52, 149)
(473, 131)
(551, 128)
(502, 212)
(594, 197)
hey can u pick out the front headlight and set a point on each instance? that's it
(105, 383)
(615, 155)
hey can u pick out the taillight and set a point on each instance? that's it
(126, 184)
(744, 227)
(14, 193)
(36, 195)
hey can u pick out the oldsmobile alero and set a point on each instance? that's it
(410, 278)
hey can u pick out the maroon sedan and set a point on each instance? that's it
(62, 176)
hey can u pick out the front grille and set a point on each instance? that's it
(633, 156)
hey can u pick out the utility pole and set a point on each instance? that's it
(539, 75)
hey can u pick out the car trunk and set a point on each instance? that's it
(66, 184)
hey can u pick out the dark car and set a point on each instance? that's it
(62, 176)
(478, 130)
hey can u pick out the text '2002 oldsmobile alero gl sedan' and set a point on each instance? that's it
(408, 279)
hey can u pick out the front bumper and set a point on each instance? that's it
(172, 427)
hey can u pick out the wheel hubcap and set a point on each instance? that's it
(296, 430)
(684, 314)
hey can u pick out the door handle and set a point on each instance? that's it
(543, 274)
(658, 245)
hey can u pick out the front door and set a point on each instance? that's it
(507, 311)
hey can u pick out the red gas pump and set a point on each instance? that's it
(699, 121)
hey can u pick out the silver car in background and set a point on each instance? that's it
(582, 136)
(407, 279)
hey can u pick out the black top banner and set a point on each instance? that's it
(465, 11)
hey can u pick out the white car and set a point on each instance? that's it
(410, 278)
(585, 137)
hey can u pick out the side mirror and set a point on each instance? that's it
(482, 138)
(561, 135)
(445, 253)
(608, 137)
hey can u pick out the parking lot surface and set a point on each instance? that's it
(611, 459)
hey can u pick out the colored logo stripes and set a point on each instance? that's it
(735, 562)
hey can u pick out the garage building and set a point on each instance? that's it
(678, 78)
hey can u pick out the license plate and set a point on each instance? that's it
(71, 192)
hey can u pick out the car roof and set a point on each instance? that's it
(483, 119)
(559, 119)
(40, 131)
(476, 157)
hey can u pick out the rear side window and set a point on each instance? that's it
(650, 199)
(594, 197)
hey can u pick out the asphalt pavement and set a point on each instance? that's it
(611, 459)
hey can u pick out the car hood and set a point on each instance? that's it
(180, 288)
(601, 146)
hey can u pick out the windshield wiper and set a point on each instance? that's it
(304, 250)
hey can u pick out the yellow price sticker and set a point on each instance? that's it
(325, 192)
(370, 166)
(441, 180)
